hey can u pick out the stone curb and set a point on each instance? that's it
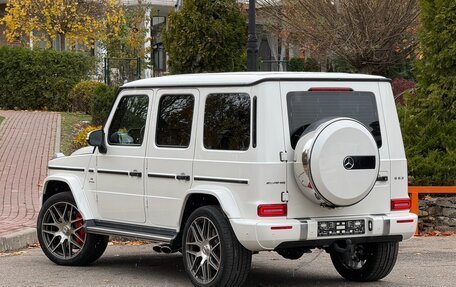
(18, 240)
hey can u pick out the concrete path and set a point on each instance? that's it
(27, 142)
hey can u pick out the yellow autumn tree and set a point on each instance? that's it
(70, 21)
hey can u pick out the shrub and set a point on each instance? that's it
(39, 79)
(102, 103)
(82, 95)
(296, 65)
(81, 138)
(303, 65)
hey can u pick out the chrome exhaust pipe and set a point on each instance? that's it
(157, 248)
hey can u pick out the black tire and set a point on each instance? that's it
(376, 260)
(63, 239)
(235, 259)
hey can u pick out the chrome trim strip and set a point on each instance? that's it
(219, 179)
(162, 175)
(108, 171)
(66, 168)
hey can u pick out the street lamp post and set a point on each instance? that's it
(252, 39)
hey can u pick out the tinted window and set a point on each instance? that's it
(227, 122)
(129, 122)
(174, 122)
(305, 108)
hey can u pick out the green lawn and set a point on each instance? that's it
(71, 123)
(1, 119)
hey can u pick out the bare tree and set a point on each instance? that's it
(371, 35)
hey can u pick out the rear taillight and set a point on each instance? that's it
(401, 204)
(266, 210)
(330, 89)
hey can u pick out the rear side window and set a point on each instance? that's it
(306, 107)
(227, 121)
(129, 121)
(174, 122)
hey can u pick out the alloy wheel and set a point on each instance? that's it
(203, 250)
(62, 229)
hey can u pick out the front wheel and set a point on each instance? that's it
(366, 262)
(62, 235)
(212, 254)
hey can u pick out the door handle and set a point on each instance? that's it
(135, 173)
(183, 177)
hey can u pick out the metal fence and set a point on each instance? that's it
(118, 71)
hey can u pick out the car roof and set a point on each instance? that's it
(246, 79)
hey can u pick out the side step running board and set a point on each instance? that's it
(130, 230)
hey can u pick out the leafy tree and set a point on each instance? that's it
(429, 118)
(206, 36)
(370, 35)
(131, 37)
(76, 21)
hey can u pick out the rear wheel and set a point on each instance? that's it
(366, 262)
(212, 254)
(62, 235)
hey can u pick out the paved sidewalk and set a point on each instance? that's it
(27, 142)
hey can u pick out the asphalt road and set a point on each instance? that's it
(429, 261)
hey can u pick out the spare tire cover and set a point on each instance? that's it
(336, 162)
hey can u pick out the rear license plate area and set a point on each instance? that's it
(343, 227)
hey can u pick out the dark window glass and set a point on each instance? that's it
(174, 123)
(227, 122)
(305, 108)
(129, 122)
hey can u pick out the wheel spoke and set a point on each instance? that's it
(78, 228)
(200, 232)
(64, 212)
(193, 243)
(50, 241)
(216, 245)
(216, 258)
(49, 232)
(194, 233)
(194, 253)
(53, 215)
(194, 265)
(78, 237)
(76, 244)
(59, 214)
(69, 247)
(49, 224)
(214, 265)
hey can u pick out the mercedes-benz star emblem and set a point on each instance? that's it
(349, 162)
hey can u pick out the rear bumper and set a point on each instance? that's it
(270, 234)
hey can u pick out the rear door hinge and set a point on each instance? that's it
(284, 196)
(283, 156)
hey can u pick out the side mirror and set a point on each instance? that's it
(96, 139)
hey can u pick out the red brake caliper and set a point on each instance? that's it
(81, 231)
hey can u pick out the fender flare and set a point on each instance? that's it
(222, 194)
(76, 190)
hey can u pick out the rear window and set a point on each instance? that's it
(307, 107)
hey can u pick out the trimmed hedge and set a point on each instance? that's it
(40, 79)
(82, 96)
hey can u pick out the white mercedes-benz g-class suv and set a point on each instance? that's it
(222, 166)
